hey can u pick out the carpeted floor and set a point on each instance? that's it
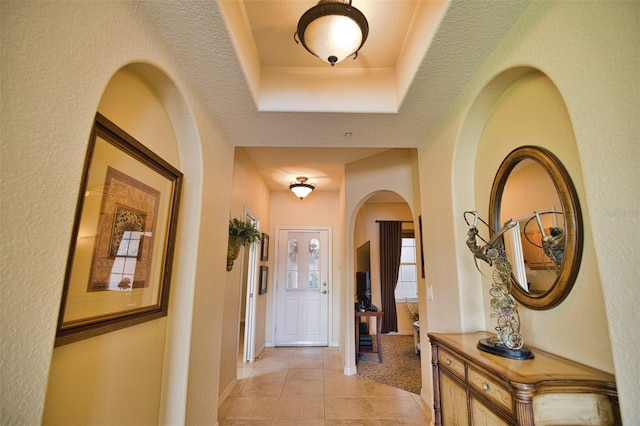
(400, 366)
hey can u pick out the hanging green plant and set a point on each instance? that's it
(241, 233)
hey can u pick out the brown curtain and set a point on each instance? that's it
(390, 249)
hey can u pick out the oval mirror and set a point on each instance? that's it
(533, 188)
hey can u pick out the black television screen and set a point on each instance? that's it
(363, 290)
(363, 275)
(363, 261)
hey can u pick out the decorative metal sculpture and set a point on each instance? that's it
(508, 341)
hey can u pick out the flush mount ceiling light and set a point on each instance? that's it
(301, 188)
(332, 30)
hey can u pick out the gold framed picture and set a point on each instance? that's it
(121, 254)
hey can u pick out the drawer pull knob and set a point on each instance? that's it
(485, 386)
(448, 362)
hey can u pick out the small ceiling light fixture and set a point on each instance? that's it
(332, 30)
(301, 188)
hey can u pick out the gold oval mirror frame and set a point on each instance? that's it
(567, 268)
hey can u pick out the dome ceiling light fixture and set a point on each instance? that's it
(301, 188)
(332, 30)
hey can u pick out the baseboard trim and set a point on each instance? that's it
(350, 371)
(224, 395)
(259, 351)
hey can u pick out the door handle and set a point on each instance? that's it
(324, 292)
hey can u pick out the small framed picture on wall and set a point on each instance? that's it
(264, 248)
(264, 273)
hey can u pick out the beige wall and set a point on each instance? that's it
(62, 56)
(249, 195)
(601, 101)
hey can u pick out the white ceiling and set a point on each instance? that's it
(290, 110)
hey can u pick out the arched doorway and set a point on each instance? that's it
(400, 366)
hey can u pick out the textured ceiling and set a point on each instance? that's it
(197, 34)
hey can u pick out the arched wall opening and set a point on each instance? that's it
(383, 205)
(470, 292)
(393, 171)
(523, 106)
(150, 360)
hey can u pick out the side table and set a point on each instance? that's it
(369, 314)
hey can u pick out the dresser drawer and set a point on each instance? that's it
(473, 387)
(573, 409)
(451, 362)
(491, 389)
(482, 415)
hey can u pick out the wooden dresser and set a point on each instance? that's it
(472, 387)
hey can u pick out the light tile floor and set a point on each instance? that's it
(306, 387)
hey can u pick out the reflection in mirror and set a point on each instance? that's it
(533, 188)
(535, 248)
(529, 189)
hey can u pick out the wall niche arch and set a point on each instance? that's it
(145, 102)
(524, 106)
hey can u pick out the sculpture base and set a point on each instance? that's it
(497, 348)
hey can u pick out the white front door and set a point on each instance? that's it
(302, 298)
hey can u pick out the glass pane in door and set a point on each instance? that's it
(314, 263)
(292, 264)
